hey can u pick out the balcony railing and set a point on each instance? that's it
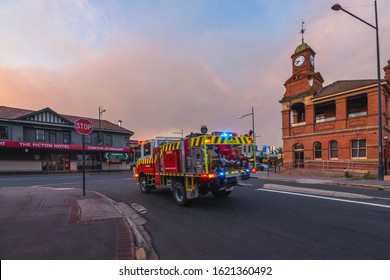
(358, 114)
(320, 119)
(298, 124)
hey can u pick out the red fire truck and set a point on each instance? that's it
(197, 164)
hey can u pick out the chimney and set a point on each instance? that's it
(120, 123)
(387, 71)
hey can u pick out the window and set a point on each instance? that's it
(147, 149)
(325, 112)
(40, 135)
(66, 137)
(298, 146)
(333, 149)
(52, 137)
(357, 106)
(297, 114)
(108, 140)
(3, 132)
(317, 150)
(358, 148)
(299, 155)
(88, 139)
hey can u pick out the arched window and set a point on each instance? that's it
(333, 149)
(298, 146)
(299, 155)
(317, 148)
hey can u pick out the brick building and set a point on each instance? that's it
(45, 141)
(334, 127)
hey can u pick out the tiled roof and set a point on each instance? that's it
(10, 113)
(340, 86)
(105, 125)
(13, 113)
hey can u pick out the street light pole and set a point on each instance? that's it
(101, 111)
(253, 128)
(338, 7)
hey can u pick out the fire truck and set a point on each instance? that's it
(197, 164)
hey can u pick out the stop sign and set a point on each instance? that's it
(83, 126)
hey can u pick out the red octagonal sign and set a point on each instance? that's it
(83, 126)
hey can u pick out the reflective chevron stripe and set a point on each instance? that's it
(148, 160)
(217, 140)
(169, 147)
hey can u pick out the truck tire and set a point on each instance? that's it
(179, 193)
(143, 185)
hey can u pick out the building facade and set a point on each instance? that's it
(334, 127)
(45, 141)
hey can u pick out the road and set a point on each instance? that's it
(262, 219)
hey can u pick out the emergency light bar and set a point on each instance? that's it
(224, 134)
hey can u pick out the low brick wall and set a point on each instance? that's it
(355, 174)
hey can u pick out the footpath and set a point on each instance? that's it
(371, 184)
(41, 223)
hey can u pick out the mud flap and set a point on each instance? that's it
(192, 194)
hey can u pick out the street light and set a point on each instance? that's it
(181, 133)
(253, 128)
(338, 7)
(100, 142)
(101, 111)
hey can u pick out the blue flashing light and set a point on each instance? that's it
(224, 134)
(221, 174)
(247, 170)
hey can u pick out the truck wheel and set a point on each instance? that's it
(179, 194)
(143, 186)
(219, 194)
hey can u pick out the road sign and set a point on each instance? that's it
(83, 126)
(120, 156)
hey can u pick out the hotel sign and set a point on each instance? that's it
(51, 146)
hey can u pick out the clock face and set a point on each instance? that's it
(312, 60)
(299, 60)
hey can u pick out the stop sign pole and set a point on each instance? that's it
(83, 127)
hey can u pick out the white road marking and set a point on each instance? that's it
(87, 181)
(314, 191)
(53, 184)
(245, 184)
(325, 198)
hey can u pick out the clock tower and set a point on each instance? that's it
(298, 110)
(303, 78)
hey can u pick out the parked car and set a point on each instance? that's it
(261, 166)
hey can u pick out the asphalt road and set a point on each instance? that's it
(255, 222)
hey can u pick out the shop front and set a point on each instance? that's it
(55, 163)
(19, 157)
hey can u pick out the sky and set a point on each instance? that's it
(162, 66)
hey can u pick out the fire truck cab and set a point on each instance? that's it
(197, 164)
